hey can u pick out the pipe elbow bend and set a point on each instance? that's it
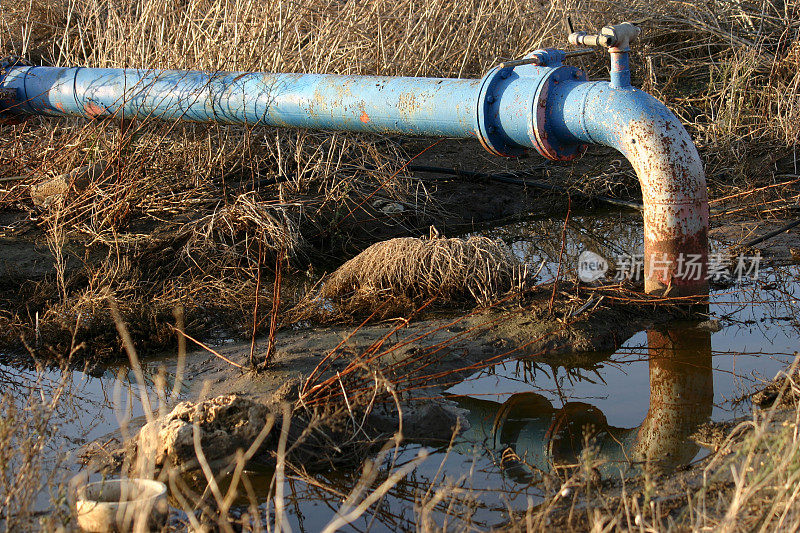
(670, 173)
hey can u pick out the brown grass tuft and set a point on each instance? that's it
(476, 268)
(231, 229)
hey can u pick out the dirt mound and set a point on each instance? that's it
(321, 439)
(224, 424)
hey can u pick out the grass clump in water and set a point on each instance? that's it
(409, 269)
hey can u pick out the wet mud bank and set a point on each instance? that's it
(348, 390)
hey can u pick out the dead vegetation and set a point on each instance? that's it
(403, 272)
(29, 446)
(172, 238)
(192, 214)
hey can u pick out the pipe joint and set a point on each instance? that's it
(619, 35)
(513, 105)
(617, 39)
(10, 96)
(487, 120)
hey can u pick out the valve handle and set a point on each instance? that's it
(616, 36)
(540, 59)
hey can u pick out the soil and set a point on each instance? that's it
(457, 345)
(457, 205)
(20, 258)
(462, 204)
(780, 249)
(446, 349)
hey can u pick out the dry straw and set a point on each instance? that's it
(418, 269)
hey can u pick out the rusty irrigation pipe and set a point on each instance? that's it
(535, 102)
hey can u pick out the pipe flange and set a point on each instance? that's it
(490, 134)
(488, 124)
(546, 143)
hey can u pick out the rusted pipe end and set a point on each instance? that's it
(675, 205)
(668, 167)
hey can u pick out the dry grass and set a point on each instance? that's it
(415, 270)
(762, 455)
(184, 210)
(749, 483)
(223, 233)
(29, 464)
(158, 234)
(183, 214)
(759, 463)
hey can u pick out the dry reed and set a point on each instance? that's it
(476, 268)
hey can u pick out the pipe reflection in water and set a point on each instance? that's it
(544, 437)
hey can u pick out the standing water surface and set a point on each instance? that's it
(642, 400)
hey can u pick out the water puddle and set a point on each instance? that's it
(641, 403)
(88, 408)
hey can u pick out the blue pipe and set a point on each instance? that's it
(670, 172)
(497, 107)
(532, 103)
(439, 107)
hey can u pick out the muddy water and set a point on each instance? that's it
(642, 401)
(98, 408)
